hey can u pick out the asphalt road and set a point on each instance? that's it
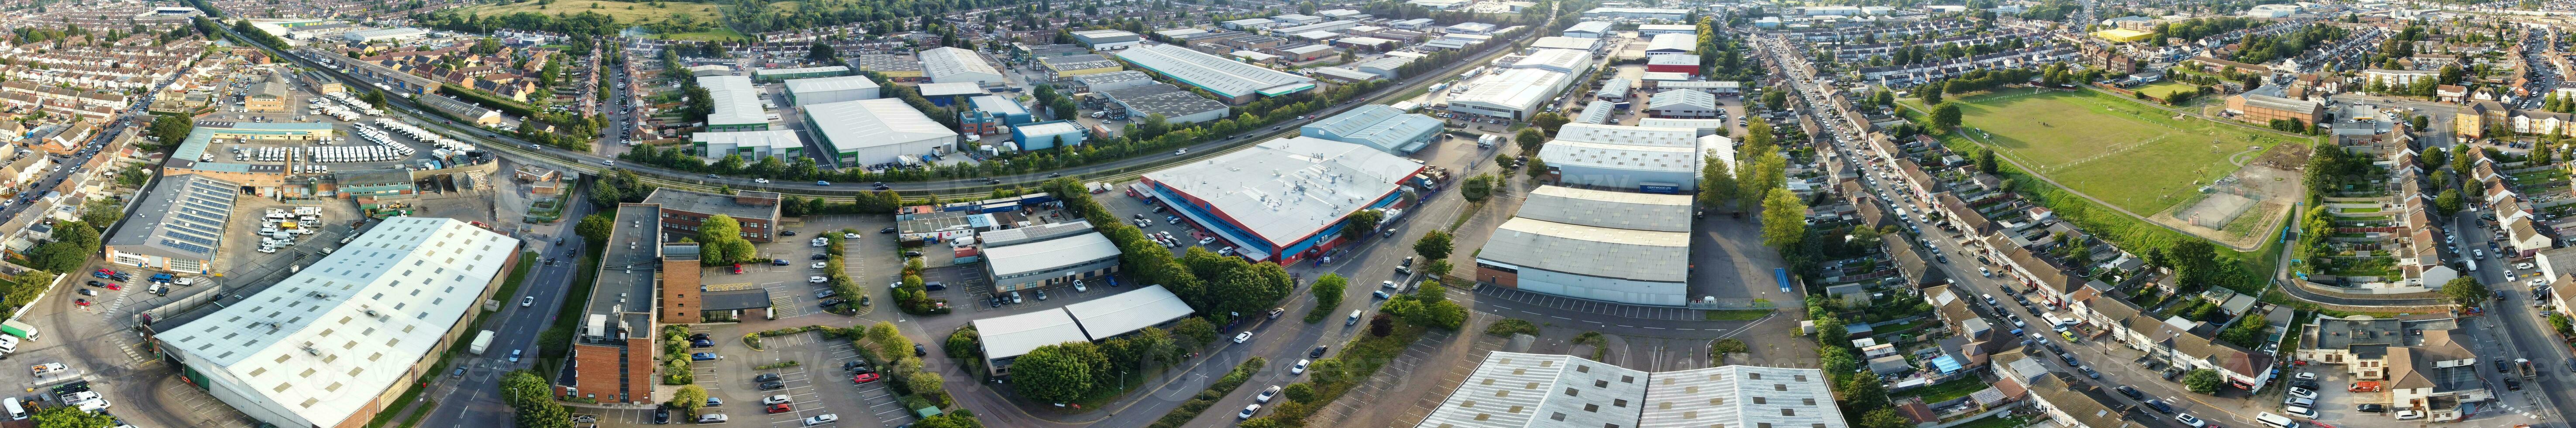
(471, 401)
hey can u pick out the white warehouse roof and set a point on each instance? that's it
(1010, 260)
(1602, 208)
(953, 65)
(1672, 41)
(774, 139)
(1107, 317)
(326, 341)
(1287, 189)
(1588, 250)
(877, 122)
(1216, 74)
(827, 84)
(735, 100)
(1561, 60)
(1014, 335)
(1514, 89)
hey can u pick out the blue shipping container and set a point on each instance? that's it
(1659, 188)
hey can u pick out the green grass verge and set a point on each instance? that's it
(425, 408)
(1738, 314)
(1997, 421)
(2165, 90)
(2125, 152)
(556, 341)
(399, 402)
(716, 35)
(1206, 398)
(510, 287)
(1944, 391)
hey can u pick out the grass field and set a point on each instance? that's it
(2162, 90)
(2128, 154)
(641, 13)
(720, 34)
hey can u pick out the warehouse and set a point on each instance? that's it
(1388, 67)
(190, 213)
(394, 34)
(1005, 110)
(894, 67)
(1587, 30)
(1594, 244)
(1248, 24)
(1107, 39)
(1560, 42)
(355, 353)
(736, 102)
(1514, 94)
(1062, 67)
(1052, 262)
(1566, 61)
(944, 94)
(1111, 80)
(1378, 126)
(1730, 396)
(830, 90)
(870, 132)
(1673, 63)
(197, 154)
(774, 75)
(1684, 104)
(1659, 160)
(751, 145)
(1470, 28)
(1633, 13)
(1651, 30)
(1048, 135)
(1284, 199)
(1236, 83)
(1306, 53)
(1672, 43)
(1176, 105)
(953, 65)
(1006, 338)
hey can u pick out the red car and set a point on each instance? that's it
(105, 271)
(82, 302)
(115, 286)
(864, 378)
(737, 269)
(780, 408)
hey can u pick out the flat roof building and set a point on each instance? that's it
(1176, 105)
(335, 343)
(751, 145)
(195, 155)
(1594, 244)
(1636, 13)
(1561, 42)
(1562, 391)
(782, 74)
(1236, 82)
(1378, 126)
(1655, 160)
(736, 104)
(1107, 39)
(1112, 80)
(186, 229)
(953, 65)
(1566, 61)
(1006, 338)
(1033, 265)
(613, 346)
(831, 90)
(1587, 29)
(868, 132)
(1284, 199)
(1683, 103)
(1672, 43)
(685, 209)
(364, 36)
(1049, 134)
(897, 67)
(1512, 93)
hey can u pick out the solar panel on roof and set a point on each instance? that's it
(183, 246)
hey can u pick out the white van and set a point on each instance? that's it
(711, 419)
(16, 412)
(8, 344)
(1355, 318)
(2276, 421)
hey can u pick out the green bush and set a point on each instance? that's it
(1509, 326)
(1226, 385)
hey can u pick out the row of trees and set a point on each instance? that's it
(532, 401)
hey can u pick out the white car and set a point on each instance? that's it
(1078, 287)
(776, 399)
(820, 265)
(2297, 392)
(760, 180)
(1239, 338)
(1180, 152)
(849, 236)
(822, 419)
(1266, 394)
(2188, 419)
(2307, 375)
(1300, 368)
(819, 280)
(1207, 240)
(2535, 282)
(2404, 415)
(1248, 411)
(527, 301)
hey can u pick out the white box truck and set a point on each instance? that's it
(482, 341)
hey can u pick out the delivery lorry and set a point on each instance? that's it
(482, 341)
(20, 329)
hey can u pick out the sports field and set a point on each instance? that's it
(2165, 90)
(2137, 157)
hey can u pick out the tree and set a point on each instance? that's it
(595, 227)
(2466, 291)
(1783, 219)
(1717, 184)
(1056, 373)
(101, 211)
(2203, 381)
(1536, 167)
(688, 400)
(1479, 187)
(1530, 139)
(1986, 162)
(533, 400)
(957, 419)
(2448, 201)
(2419, 123)
(1360, 223)
(1548, 121)
(1434, 245)
(1301, 392)
(72, 417)
(1883, 418)
(1198, 330)
(1328, 290)
(1382, 324)
(820, 52)
(1776, 99)
(1946, 117)
(1861, 393)
(1931, 93)
(1727, 346)
(171, 129)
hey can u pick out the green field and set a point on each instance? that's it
(641, 12)
(720, 34)
(2128, 154)
(2165, 90)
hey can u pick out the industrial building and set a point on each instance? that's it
(1587, 30)
(894, 67)
(1235, 82)
(1651, 30)
(1566, 61)
(773, 75)
(1176, 105)
(751, 145)
(335, 343)
(1601, 245)
(1107, 39)
(1377, 126)
(1636, 14)
(196, 156)
(1598, 394)
(1284, 199)
(1049, 134)
(878, 131)
(393, 34)
(802, 92)
(1061, 67)
(1111, 80)
(1006, 338)
(1673, 63)
(1672, 43)
(684, 210)
(1514, 94)
(1685, 104)
(1005, 110)
(736, 104)
(1659, 160)
(1470, 28)
(269, 95)
(190, 213)
(1387, 67)
(1030, 265)
(953, 65)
